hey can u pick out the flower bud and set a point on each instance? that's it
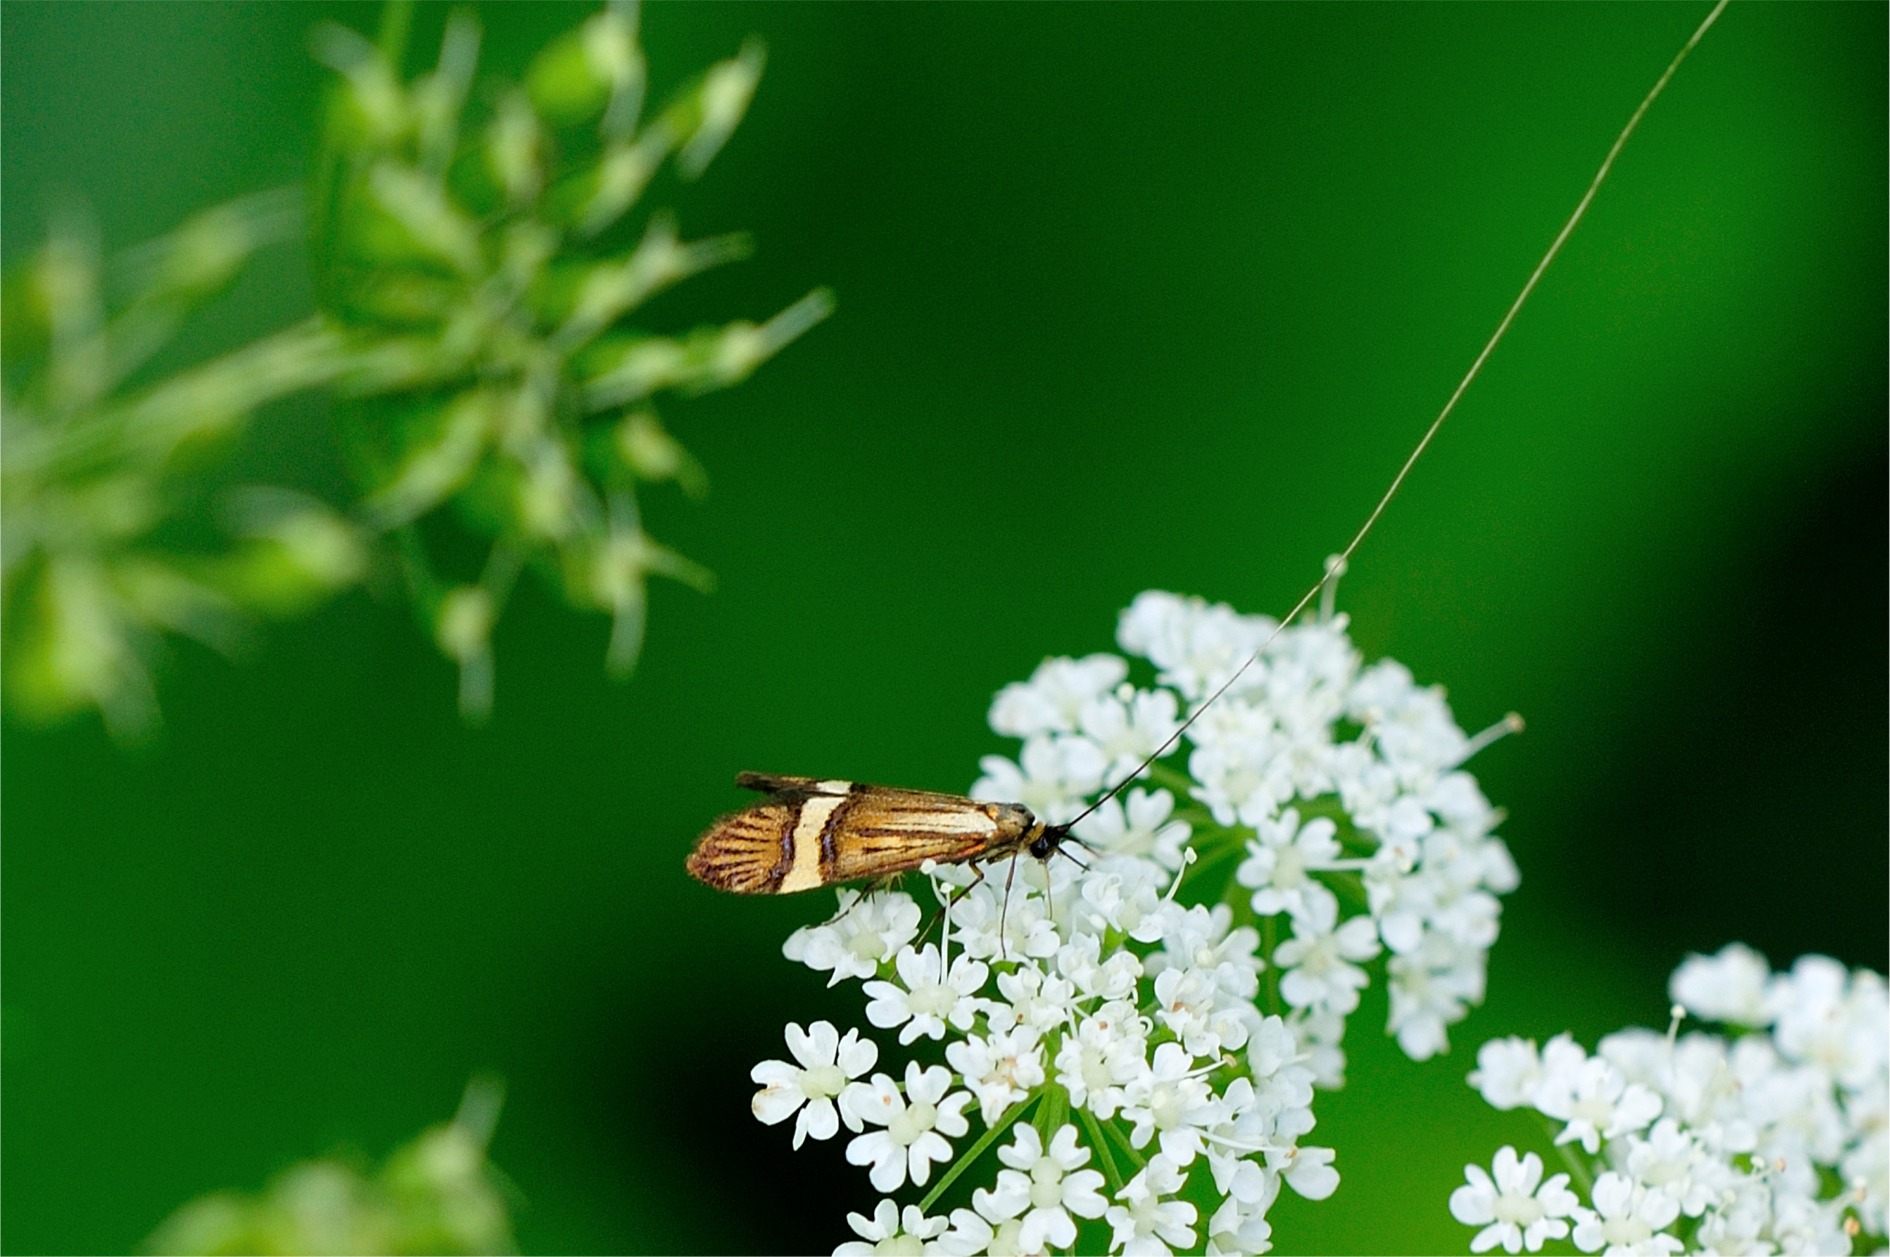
(463, 623)
(295, 560)
(443, 446)
(703, 119)
(434, 226)
(577, 76)
(514, 150)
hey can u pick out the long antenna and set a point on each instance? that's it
(1337, 565)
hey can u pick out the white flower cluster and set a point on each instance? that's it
(1157, 1009)
(1773, 1140)
(1339, 785)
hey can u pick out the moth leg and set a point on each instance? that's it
(950, 903)
(1003, 942)
(847, 905)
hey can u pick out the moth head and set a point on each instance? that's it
(1045, 844)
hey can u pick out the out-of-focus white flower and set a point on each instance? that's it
(1628, 1219)
(1596, 1102)
(1512, 1203)
(1147, 1221)
(1728, 986)
(1317, 969)
(1774, 1141)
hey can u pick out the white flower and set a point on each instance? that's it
(1170, 1100)
(1028, 930)
(1095, 976)
(1596, 1102)
(1431, 988)
(1240, 761)
(1515, 1209)
(1055, 695)
(1196, 645)
(1192, 1004)
(1124, 894)
(1138, 823)
(929, 999)
(1129, 726)
(1729, 986)
(1316, 959)
(1774, 1141)
(1629, 1219)
(1240, 1227)
(1281, 858)
(1051, 775)
(1281, 1078)
(916, 1124)
(972, 1234)
(891, 1232)
(1826, 1021)
(1105, 1052)
(1000, 1070)
(1146, 1222)
(1508, 1072)
(1306, 1170)
(867, 932)
(1043, 1187)
(1042, 1001)
(828, 1063)
(1673, 1160)
(1054, 963)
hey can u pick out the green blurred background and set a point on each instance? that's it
(1130, 297)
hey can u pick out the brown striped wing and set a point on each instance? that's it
(814, 831)
(744, 851)
(888, 831)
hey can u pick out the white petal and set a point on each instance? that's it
(776, 1104)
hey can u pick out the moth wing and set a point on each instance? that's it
(774, 783)
(886, 831)
(743, 851)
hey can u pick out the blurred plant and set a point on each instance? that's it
(435, 1194)
(1162, 1014)
(1772, 1137)
(478, 267)
(478, 319)
(102, 545)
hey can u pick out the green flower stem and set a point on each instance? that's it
(977, 1150)
(1578, 1170)
(1100, 1142)
(215, 395)
(1052, 1112)
(1270, 976)
(1349, 887)
(391, 39)
(1128, 1149)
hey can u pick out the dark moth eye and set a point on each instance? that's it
(1043, 847)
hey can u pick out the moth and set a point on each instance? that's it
(810, 832)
